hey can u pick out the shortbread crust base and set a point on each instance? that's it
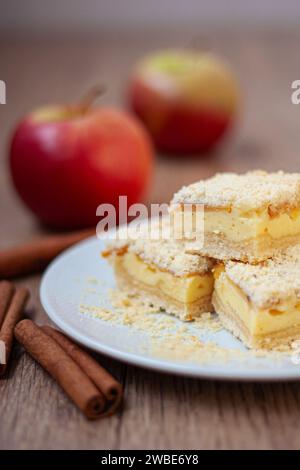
(251, 251)
(184, 311)
(271, 341)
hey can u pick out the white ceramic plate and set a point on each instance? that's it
(70, 281)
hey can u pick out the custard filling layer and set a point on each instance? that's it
(238, 226)
(258, 321)
(184, 289)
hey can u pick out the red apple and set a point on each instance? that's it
(186, 99)
(65, 161)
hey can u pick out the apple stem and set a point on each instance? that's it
(91, 96)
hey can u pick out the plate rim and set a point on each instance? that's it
(157, 365)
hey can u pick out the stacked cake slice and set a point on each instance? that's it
(247, 217)
(249, 239)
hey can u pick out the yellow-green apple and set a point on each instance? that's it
(186, 99)
(67, 160)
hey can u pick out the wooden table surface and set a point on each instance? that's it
(160, 411)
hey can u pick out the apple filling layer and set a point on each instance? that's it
(245, 217)
(184, 296)
(261, 319)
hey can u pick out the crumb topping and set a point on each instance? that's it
(271, 282)
(166, 253)
(171, 256)
(253, 190)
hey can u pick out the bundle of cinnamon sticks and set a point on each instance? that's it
(89, 385)
(84, 380)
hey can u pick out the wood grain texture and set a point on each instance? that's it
(160, 411)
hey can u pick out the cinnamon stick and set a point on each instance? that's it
(6, 292)
(52, 357)
(13, 315)
(106, 383)
(34, 256)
